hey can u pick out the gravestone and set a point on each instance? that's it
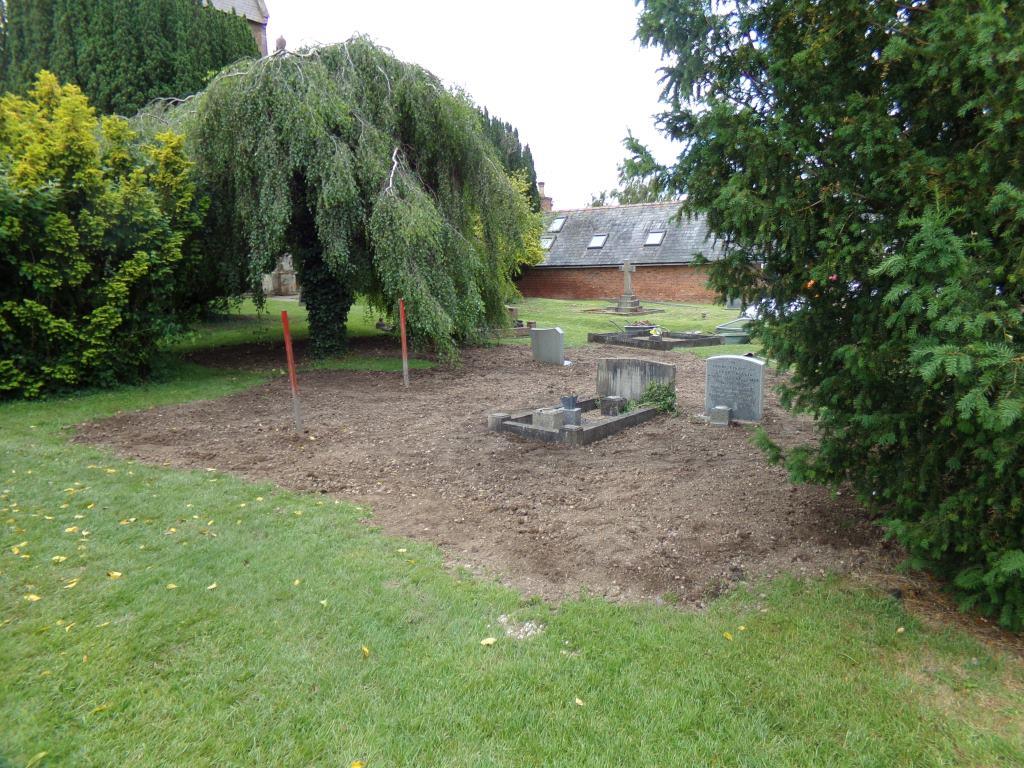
(548, 345)
(629, 377)
(735, 382)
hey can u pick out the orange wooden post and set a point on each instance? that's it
(296, 409)
(405, 346)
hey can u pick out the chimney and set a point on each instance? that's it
(546, 203)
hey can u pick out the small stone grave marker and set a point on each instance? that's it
(735, 382)
(548, 345)
(629, 377)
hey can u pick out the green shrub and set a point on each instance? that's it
(92, 229)
(660, 396)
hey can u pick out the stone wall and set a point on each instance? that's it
(650, 283)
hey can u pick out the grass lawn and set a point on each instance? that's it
(572, 317)
(164, 618)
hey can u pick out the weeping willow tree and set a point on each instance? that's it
(376, 178)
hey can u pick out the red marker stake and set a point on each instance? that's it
(405, 346)
(296, 409)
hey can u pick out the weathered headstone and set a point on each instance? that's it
(629, 377)
(548, 345)
(735, 382)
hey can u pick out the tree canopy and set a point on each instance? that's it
(121, 53)
(375, 178)
(862, 164)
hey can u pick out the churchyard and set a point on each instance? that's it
(400, 585)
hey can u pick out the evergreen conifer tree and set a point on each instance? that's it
(122, 53)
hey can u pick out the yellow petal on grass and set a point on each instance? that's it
(172, 586)
(33, 598)
(90, 506)
(127, 521)
(58, 558)
(100, 708)
(212, 586)
(357, 764)
(323, 603)
(727, 635)
(71, 583)
(71, 529)
(114, 574)
(900, 631)
(579, 702)
(366, 652)
(488, 641)
(296, 582)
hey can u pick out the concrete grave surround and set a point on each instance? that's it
(735, 382)
(549, 425)
(629, 377)
(548, 345)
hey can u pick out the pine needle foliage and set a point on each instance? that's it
(376, 179)
(861, 162)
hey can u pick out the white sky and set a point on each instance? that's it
(567, 73)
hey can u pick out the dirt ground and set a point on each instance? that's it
(671, 509)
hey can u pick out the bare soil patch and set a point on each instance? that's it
(672, 507)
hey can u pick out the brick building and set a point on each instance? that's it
(584, 249)
(253, 11)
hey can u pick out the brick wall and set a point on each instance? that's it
(672, 283)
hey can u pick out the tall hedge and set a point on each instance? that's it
(863, 163)
(121, 53)
(93, 232)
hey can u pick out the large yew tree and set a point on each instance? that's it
(862, 163)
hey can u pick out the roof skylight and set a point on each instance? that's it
(597, 241)
(654, 238)
(557, 224)
(547, 242)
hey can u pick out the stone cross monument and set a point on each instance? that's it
(628, 302)
(627, 271)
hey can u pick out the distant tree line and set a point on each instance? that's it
(121, 53)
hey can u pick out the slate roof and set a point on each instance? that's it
(253, 10)
(627, 227)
